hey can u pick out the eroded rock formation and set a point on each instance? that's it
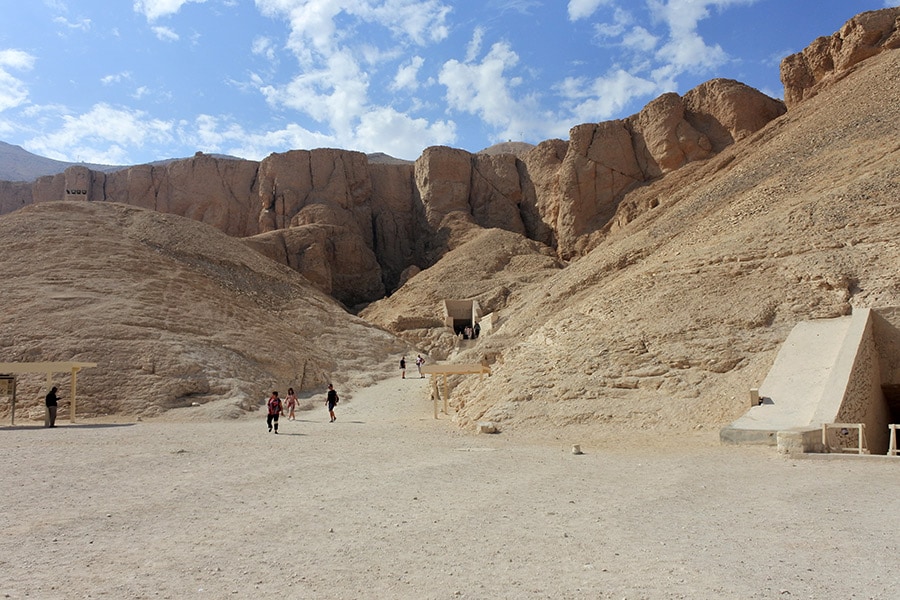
(829, 59)
(353, 227)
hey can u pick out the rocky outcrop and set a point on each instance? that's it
(332, 257)
(14, 195)
(362, 220)
(203, 188)
(603, 161)
(353, 227)
(829, 59)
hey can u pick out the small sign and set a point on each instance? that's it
(7, 384)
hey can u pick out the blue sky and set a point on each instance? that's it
(133, 81)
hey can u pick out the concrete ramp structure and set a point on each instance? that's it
(831, 371)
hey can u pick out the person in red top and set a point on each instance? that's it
(275, 409)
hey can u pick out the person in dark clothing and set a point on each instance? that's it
(52, 402)
(403, 368)
(275, 409)
(330, 401)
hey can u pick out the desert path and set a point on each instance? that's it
(389, 503)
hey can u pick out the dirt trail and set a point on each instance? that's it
(389, 503)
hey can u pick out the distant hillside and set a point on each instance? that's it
(18, 164)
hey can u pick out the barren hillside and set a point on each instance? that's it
(690, 290)
(173, 311)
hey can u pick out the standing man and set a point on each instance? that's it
(275, 409)
(419, 362)
(52, 401)
(403, 368)
(330, 400)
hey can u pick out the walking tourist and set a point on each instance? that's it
(291, 402)
(275, 409)
(330, 400)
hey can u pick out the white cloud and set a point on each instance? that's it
(13, 91)
(473, 49)
(380, 130)
(154, 9)
(632, 37)
(221, 135)
(602, 98)
(610, 30)
(639, 40)
(16, 59)
(100, 135)
(335, 94)
(398, 134)
(333, 79)
(115, 78)
(658, 60)
(524, 7)
(82, 24)
(484, 89)
(407, 75)
(312, 27)
(165, 34)
(583, 9)
(263, 46)
(418, 20)
(686, 50)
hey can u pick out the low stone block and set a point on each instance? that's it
(487, 427)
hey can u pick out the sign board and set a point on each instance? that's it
(7, 385)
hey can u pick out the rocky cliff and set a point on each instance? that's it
(353, 227)
(831, 58)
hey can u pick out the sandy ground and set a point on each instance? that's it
(389, 503)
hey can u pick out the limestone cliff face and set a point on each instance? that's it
(577, 194)
(829, 59)
(354, 228)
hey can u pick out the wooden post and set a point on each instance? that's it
(435, 394)
(450, 369)
(446, 394)
(892, 449)
(861, 436)
(72, 399)
(862, 443)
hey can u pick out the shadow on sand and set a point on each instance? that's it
(69, 426)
